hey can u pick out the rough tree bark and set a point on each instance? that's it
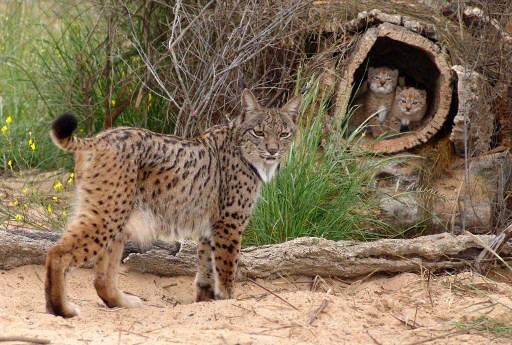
(475, 110)
(304, 256)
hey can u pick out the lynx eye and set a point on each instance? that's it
(257, 133)
(403, 101)
(415, 102)
(285, 134)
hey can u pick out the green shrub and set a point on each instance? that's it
(322, 192)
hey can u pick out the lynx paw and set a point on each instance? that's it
(204, 293)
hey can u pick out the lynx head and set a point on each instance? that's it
(411, 103)
(265, 135)
(382, 80)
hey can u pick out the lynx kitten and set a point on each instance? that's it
(409, 108)
(382, 82)
(133, 183)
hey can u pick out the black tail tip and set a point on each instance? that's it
(64, 125)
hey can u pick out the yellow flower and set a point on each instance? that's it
(30, 134)
(64, 214)
(8, 120)
(113, 101)
(50, 208)
(25, 205)
(33, 146)
(30, 142)
(19, 217)
(363, 135)
(70, 180)
(25, 190)
(9, 163)
(4, 129)
(13, 203)
(55, 198)
(58, 187)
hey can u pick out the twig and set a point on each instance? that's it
(273, 293)
(372, 338)
(412, 324)
(441, 337)
(317, 312)
(25, 340)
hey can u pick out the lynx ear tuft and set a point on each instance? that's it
(292, 107)
(249, 102)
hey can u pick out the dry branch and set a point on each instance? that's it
(303, 256)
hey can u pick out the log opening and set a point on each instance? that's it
(422, 64)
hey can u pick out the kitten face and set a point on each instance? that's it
(411, 102)
(265, 135)
(382, 80)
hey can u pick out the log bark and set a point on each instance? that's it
(473, 125)
(303, 256)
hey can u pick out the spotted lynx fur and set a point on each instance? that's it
(409, 108)
(377, 100)
(133, 183)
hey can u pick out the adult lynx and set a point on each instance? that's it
(133, 183)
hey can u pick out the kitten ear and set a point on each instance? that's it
(423, 94)
(249, 102)
(292, 107)
(371, 70)
(398, 89)
(394, 72)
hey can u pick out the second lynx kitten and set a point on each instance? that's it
(409, 108)
(382, 82)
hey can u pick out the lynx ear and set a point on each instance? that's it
(395, 72)
(249, 102)
(371, 70)
(292, 107)
(423, 94)
(398, 89)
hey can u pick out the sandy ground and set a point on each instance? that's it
(402, 309)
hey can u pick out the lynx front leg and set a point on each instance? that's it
(227, 240)
(205, 282)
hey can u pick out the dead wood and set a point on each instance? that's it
(474, 123)
(303, 256)
(489, 254)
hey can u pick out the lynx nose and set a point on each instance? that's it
(272, 151)
(382, 82)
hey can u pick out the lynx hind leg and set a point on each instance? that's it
(107, 271)
(205, 281)
(74, 248)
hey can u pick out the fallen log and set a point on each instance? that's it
(303, 256)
